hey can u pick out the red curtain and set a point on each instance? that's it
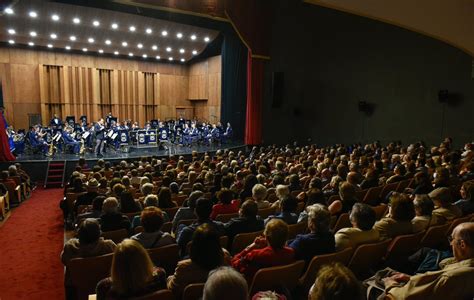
(255, 73)
(5, 153)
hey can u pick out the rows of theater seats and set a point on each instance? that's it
(15, 188)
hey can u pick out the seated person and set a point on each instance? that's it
(88, 243)
(164, 198)
(445, 210)
(336, 282)
(288, 211)
(268, 250)
(259, 193)
(221, 281)
(423, 213)
(127, 203)
(125, 281)
(422, 184)
(362, 218)
(86, 199)
(226, 205)
(281, 191)
(150, 200)
(96, 210)
(455, 279)
(111, 218)
(152, 237)
(248, 221)
(370, 180)
(466, 203)
(399, 174)
(202, 211)
(69, 140)
(320, 240)
(187, 213)
(398, 220)
(205, 255)
(347, 192)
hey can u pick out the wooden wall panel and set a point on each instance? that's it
(78, 87)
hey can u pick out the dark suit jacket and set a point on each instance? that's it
(85, 199)
(243, 225)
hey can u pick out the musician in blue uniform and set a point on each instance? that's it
(36, 140)
(69, 140)
(214, 134)
(186, 135)
(115, 128)
(108, 119)
(56, 123)
(99, 130)
(228, 132)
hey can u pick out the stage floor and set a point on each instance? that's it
(133, 152)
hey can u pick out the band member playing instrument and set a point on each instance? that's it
(69, 140)
(108, 119)
(99, 130)
(228, 132)
(36, 140)
(56, 123)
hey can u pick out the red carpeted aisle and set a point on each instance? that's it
(31, 241)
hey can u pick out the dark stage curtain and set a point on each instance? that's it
(234, 85)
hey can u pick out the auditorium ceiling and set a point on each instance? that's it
(62, 27)
(449, 21)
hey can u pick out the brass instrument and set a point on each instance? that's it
(52, 148)
(83, 147)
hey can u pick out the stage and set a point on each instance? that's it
(36, 165)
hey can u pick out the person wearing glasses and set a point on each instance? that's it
(453, 281)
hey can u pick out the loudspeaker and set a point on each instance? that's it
(443, 96)
(278, 80)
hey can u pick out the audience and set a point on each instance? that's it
(398, 221)
(152, 236)
(187, 212)
(466, 203)
(111, 218)
(132, 274)
(288, 211)
(362, 218)
(248, 221)
(445, 210)
(266, 251)
(336, 282)
(127, 203)
(320, 240)
(424, 217)
(259, 193)
(225, 283)
(226, 205)
(206, 254)
(347, 192)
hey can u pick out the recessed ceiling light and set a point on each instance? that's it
(182, 59)
(72, 38)
(55, 17)
(144, 56)
(124, 44)
(11, 41)
(101, 51)
(170, 58)
(11, 31)
(132, 28)
(50, 45)
(84, 49)
(31, 44)
(53, 36)
(207, 39)
(90, 40)
(164, 33)
(33, 33)
(114, 25)
(195, 52)
(158, 57)
(168, 49)
(108, 42)
(154, 47)
(181, 50)
(179, 35)
(130, 54)
(76, 20)
(68, 47)
(148, 30)
(33, 14)
(96, 23)
(140, 46)
(116, 52)
(9, 11)
(193, 37)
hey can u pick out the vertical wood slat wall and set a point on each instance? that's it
(95, 92)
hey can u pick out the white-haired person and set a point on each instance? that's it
(225, 283)
(259, 193)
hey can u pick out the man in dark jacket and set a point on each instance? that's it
(248, 221)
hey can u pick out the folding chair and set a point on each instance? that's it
(342, 222)
(435, 235)
(401, 247)
(224, 218)
(242, 240)
(115, 235)
(166, 257)
(372, 195)
(193, 291)
(87, 272)
(295, 229)
(367, 257)
(265, 212)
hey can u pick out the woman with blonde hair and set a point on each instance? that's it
(132, 274)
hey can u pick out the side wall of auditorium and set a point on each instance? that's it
(332, 60)
(41, 83)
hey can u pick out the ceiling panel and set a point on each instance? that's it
(91, 30)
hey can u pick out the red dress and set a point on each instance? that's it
(248, 262)
(221, 209)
